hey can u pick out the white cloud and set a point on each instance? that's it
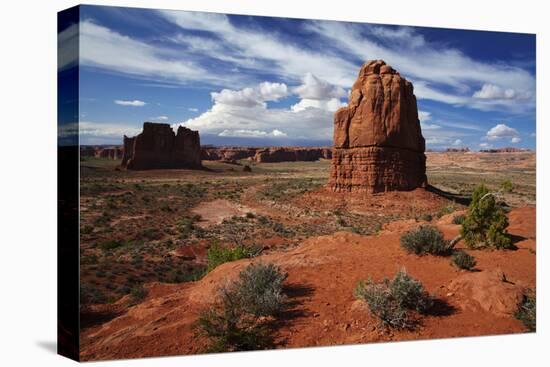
(458, 142)
(134, 103)
(68, 47)
(193, 109)
(270, 52)
(426, 126)
(250, 97)
(424, 116)
(315, 88)
(485, 145)
(502, 131)
(252, 133)
(310, 123)
(429, 66)
(329, 105)
(88, 129)
(491, 91)
(159, 118)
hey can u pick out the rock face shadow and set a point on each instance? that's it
(459, 199)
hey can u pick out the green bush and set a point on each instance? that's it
(236, 322)
(527, 311)
(459, 219)
(218, 255)
(110, 245)
(259, 290)
(463, 260)
(91, 295)
(486, 223)
(137, 294)
(426, 217)
(426, 239)
(507, 186)
(392, 300)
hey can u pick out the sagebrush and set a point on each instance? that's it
(238, 320)
(392, 301)
(426, 239)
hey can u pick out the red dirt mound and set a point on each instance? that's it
(322, 274)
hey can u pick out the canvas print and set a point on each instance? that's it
(233, 183)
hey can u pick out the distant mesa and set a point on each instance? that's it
(505, 150)
(282, 154)
(458, 150)
(378, 143)
(157, 146)
(111, 152)
(265, 154)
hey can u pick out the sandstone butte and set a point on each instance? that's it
(157, 146)
(378, 143)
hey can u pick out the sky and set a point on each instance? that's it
(258, 81)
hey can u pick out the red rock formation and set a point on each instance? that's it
(157, 146)
(227, 154)
(292, 154)
(378, 144)
(271, 154)
(458, 150)
(109, 152)
(504, 150)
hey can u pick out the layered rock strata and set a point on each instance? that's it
(378, 143)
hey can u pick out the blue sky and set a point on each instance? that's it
(243, 80)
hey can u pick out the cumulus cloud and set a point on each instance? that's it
(252, 133)
(250, 97)
(458, 142)
(329, 105)
(134, 103)
(159, 118)
(502, 131)
(485, 145)
(193, 109)
(233, 120)
(315, 88)
(491, 91)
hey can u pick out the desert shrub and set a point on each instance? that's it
(236, 322)
(459, 219)
(137, 294)
(463, 260)
(425, 240)
(446, 210)
(228, 330)
(426, 217)
(250, 215)
(527, 311)
(392, 300)
(91, 295)
(507, 186)
(86, 229)
(259, 289)
(218, 255)
(110, 245)
(486, 223)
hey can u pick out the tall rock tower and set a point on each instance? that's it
(378, 144)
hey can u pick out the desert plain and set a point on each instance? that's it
(145, 237)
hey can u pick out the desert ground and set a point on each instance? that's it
(145, 237)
